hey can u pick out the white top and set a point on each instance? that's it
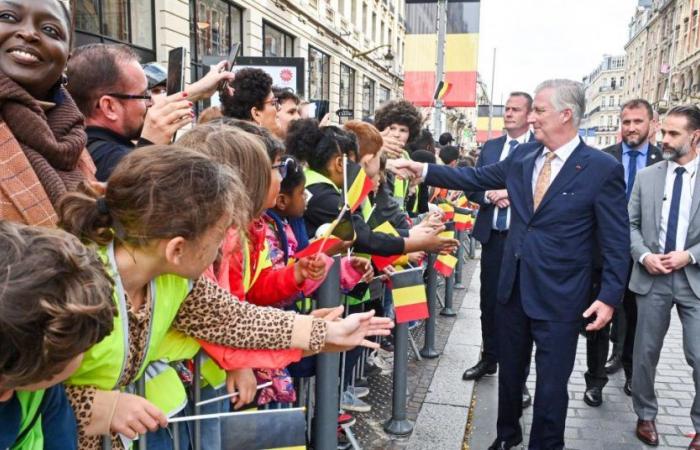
(562, 154)
(523, 138)
(686, 200)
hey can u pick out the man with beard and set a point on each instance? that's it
(110, 88)
(665, 246)
(635, 153)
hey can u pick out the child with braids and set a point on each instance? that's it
(158, 226)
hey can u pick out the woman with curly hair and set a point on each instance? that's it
(252, 100)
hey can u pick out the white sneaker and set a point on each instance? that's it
(358, 392)
(351, 403)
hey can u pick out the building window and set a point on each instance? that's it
(384, 94)
(110, 21)
(612, 101)
(347, 87)
(364, 19)
(381, 33)
(622, 82)
(216, 24)
(613, 83)
(602, 101)
(374, 27)
(276, 42)
(368, 86)
(353, 11)
(319, 74)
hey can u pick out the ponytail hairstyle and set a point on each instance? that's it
(315, 145)
(241, 151)
(156, 192)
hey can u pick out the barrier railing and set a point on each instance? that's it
(428, 350)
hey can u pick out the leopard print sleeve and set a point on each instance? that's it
(212, 314)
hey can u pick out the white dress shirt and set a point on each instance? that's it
(686, 200)
(684, 208)
(562, 154)
(504, 154)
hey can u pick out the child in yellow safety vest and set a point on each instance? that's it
(54, 305)
(158, 225)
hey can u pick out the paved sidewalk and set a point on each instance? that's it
(611, 426)
(428, 401)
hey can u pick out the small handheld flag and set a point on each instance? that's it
(329, 247)
(448, 210)
(445, 264)
(408, 292)
(383, 261)
(360, 185)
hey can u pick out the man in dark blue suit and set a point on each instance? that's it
(491, 227)
(565, 198)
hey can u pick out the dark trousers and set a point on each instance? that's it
(554, 356)
(491, 256)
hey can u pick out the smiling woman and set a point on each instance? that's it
(42, 136)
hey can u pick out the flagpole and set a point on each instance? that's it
(493, 82)
(440, 69)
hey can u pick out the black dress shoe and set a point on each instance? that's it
(628, 387)
(614, 364)
(479, 370)
(527, 398)
(593, 397)
(505, 445)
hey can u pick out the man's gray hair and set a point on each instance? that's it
(567, 94)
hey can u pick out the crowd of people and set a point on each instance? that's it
(139, 234)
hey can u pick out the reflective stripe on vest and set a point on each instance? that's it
(33, 438)
(103, 364)
(164, 388)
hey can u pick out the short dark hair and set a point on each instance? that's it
(445, 138)
(525, 95)
(449, 153)
(639, 103)
(401, 112)
(251, 87)
(310, 143)
(690, 112)
(284, 94)
(422, 141)
(55, 302)
(94, 70)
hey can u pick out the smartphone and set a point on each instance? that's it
(233, 54)
(176, 70)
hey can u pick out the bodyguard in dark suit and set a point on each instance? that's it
(492, 224)
(565, 199)
(635, 153)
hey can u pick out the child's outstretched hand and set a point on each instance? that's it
(311, 268)
(345, 334)
(363, 266)
(134, 415)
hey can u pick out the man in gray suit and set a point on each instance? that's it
(665, 236)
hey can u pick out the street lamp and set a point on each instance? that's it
(387, 57)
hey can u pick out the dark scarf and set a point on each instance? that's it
(52, 140)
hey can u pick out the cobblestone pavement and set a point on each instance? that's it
(369, 427)
(612, 425)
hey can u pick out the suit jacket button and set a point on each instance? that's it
(517, 256)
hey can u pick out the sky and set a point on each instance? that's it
(540, 39)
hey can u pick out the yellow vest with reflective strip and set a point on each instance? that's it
(104, 363)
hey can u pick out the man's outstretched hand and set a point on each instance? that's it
(412, 167)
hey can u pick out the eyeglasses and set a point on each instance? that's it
(282, 167)
(146, 96)
(274, 102)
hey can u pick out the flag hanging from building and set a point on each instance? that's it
(383, 261)
(359, 186)
(461, 53)
(445, 264)
(408, 292)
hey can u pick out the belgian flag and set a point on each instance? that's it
(448, 210)
(445, 264)
(383, 261)
(359, 186)
(408, 292)
(462, 219)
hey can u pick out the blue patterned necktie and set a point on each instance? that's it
(674, 211)
(502, 217)
(631, 170)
